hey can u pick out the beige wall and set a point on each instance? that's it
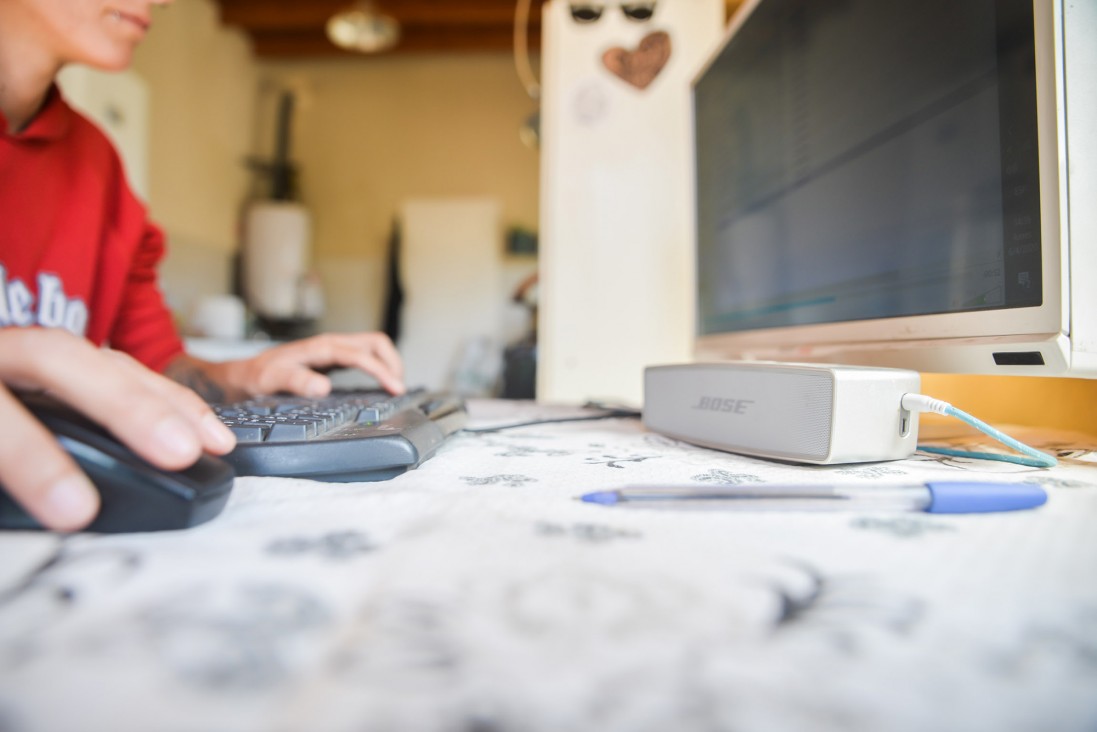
(370, 133)
(202, 83)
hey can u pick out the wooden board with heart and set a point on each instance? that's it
(640, 66)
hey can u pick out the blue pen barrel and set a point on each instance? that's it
(960, 497)
(940, 497)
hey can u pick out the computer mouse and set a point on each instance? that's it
(136, 495)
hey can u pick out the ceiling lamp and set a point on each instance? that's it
(362, 28)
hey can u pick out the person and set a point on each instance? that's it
(81, 314)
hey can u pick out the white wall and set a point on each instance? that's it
(202, 83)
(453, 283)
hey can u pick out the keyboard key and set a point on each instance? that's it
(247, 433)
(287, 432)
(369, 414)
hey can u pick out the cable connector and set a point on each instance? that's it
(922, 403)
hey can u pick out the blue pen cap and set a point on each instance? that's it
(606, 498)
(947, 497)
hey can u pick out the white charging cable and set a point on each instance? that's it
(922, 403)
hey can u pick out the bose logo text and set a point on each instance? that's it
(719, 404)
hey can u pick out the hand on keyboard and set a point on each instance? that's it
(293, 367)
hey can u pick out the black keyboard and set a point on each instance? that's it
(347, 436)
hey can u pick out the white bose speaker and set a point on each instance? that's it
(276, 253)
(805, 413)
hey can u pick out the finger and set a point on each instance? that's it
(284, 368)
(385, 350)
(124, 397)
(279, 369)
(303, 381)
(373, 353)
(162, 421)
(214, 435)
(379, 369)
(38, 474)
(390, 357)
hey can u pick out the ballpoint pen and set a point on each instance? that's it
(931, 497)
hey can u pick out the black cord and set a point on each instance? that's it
(611, 414)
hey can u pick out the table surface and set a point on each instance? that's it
(475, 593)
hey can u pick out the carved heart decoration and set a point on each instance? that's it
(640, 67)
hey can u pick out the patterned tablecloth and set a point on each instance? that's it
(475, 594)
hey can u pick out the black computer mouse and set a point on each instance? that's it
(136, 495)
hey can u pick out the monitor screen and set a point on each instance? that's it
(866, 160)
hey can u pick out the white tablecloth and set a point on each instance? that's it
(475, 593)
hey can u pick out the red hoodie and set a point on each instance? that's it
(77, 250)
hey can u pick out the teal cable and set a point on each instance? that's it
(1034, 458)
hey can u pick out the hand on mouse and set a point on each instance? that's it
(160, 420)
(291, 367)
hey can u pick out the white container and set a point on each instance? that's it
(219, 316)
(275, 257)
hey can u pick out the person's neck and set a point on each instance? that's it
(26, 71)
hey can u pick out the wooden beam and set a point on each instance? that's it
(291, 14)
(314, 43)
(259, 15)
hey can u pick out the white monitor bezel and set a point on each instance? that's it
(951, 342)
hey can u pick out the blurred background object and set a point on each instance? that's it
(363, 28)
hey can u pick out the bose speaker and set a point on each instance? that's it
(806, 413)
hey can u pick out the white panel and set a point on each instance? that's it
(452, 274)
(1080, 79)
(352, 287)
(616, 290)
(119, 104)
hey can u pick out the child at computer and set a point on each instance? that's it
(77, 272)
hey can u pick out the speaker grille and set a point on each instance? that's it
(780, 412)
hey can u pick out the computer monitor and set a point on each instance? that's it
(896, 183)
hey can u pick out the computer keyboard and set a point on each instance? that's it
(346, 436)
